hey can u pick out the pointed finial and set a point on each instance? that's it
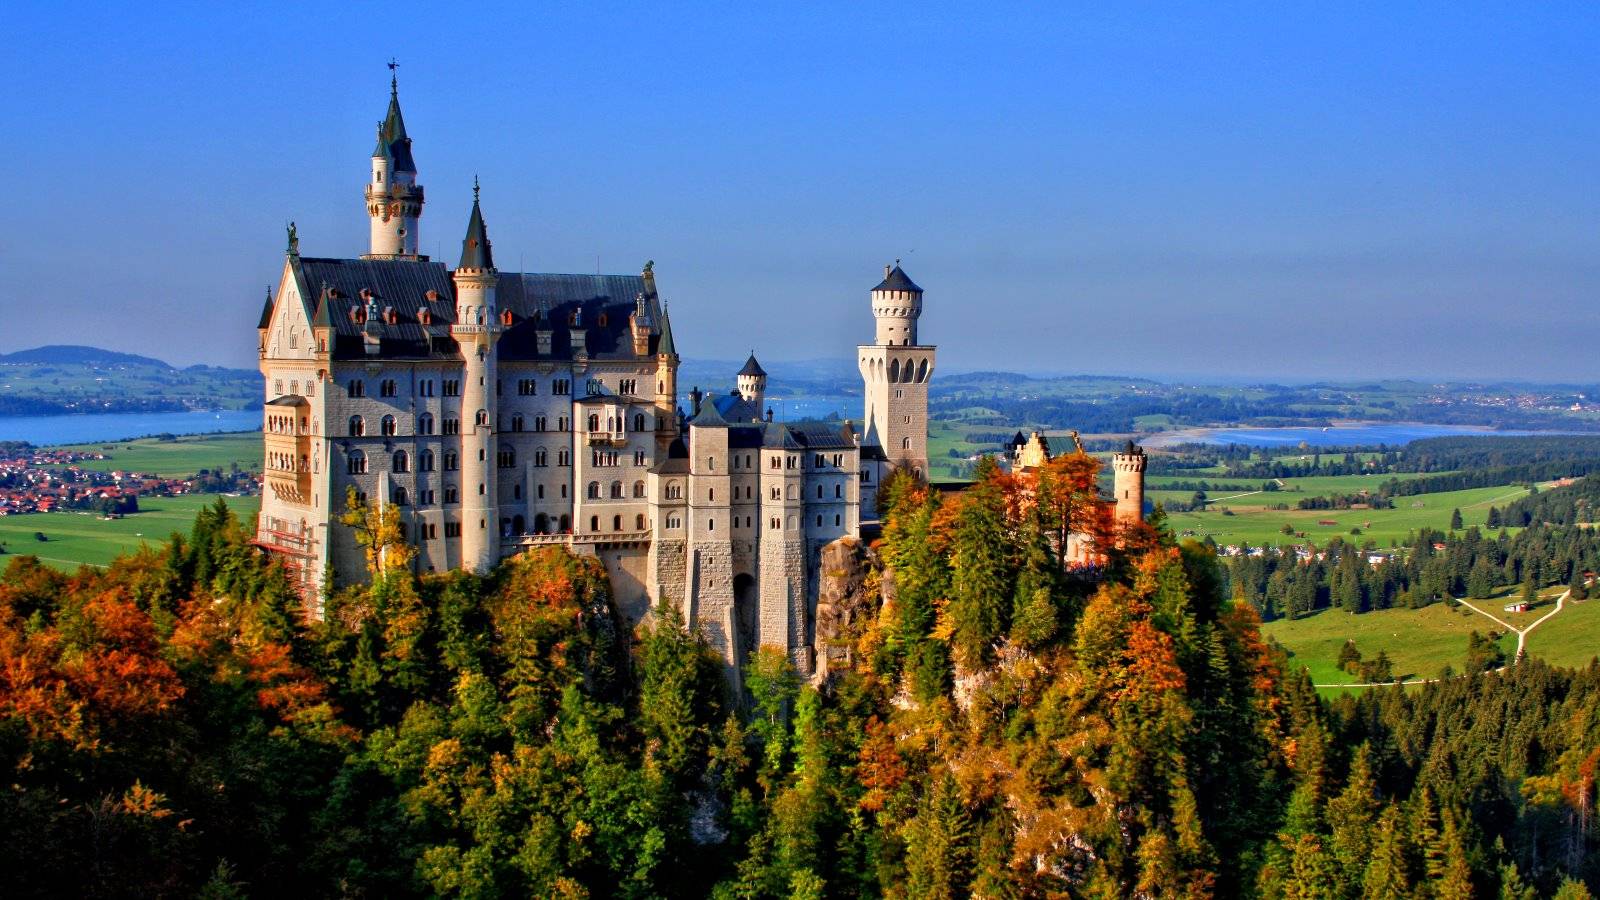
(394, 79)
(897, 262)
(474, 189)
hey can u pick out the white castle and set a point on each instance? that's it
(498, 411)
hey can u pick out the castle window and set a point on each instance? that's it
(425, 388)
(398, 497)
(357, 462)
(527, 387)
(836, 520)
(711, 463)
(711, 525)
(402, 462)
(594, 523)
(638, 522)
(819, 521)
(540, 457)
(638, 489)
(277, 387)
(451, 426)
(516, 492)
(425, 461)
(594, 422)
(358, 426)
(793, 493)
(561, 387)
(674, 491)
(356, 388)
(638, 457)
(311, 389)
(539, 492)
(594, 490)
(425, 423)
(819, 496)
(894, 370)
(388, 388)
(452, 387)
(562, 424)
(905, 443)
(674, 522)
(907, 419)
(539, 423)
(775, 523)
(505, 317)
(452, 529)
(628, 386)
(601, 320)
(451, 461)
(616, 490)
(507, 457)
(482, 418)
(899, 393)
(838, 492)
(638, 421)
(616, 523)
(922, 371)
(481, 490)
(711, 494)
(450, 494)
(387, 426)
(563, 458)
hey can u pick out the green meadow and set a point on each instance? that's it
(74, 538)
(177, 458)
(1419, 642)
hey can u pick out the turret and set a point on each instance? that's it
(476, 329)
(394, 199)
(666, 379)
(896, 305)
(753, 382)
(1128, 483)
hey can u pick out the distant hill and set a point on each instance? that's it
(62, 379)
(75, 355)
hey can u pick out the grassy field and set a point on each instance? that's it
(176, 458)
(1419, 642)
(1253, 523)
(1571, 638)
(78, 538)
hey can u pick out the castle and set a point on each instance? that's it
(498, 411)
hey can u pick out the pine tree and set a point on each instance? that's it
(1512, 887)
(1455, 520)
(1386, 877)
(982, 572)
(1454, 880)
(1351, 816)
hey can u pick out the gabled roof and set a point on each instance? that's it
(734, 408)
(897, 280)
(708, 417)
(778, 436)
(475, 252)
(751, 367)
(322, 318)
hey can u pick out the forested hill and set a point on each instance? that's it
(57, 380)
(992, 726)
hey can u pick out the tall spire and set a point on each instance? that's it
(665, 346)
(392, 139)
(475, 252)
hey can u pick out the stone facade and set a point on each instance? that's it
(498, 411)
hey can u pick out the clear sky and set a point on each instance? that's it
(1281, 190)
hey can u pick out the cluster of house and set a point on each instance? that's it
(1306, 554)
(33, 480)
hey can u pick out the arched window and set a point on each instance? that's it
(483, 417)
(594, 523)
(616, 490)
(922, 371)
(594, 422)
(594, 490)
(540, 456)
(616, 523)
(638, 421)
(638, 489)
(398, 496)
(905, 443)
(566, 523)
(358, 462)
(894, 370)
(907, 372)
(638, 522)
(402, 462)
(425, 423)
(358, 426)
(387, 426)
(425, 461)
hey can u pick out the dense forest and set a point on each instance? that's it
(999, 726)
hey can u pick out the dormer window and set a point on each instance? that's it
(505, 317)
(425, 316)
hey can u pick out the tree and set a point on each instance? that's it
(1385, 875)
(982, 571)
(1455, 520)
(378, 529)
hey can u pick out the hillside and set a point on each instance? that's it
(66, 379)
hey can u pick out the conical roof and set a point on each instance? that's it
(322, 319)
(392, 141)
(475, 253)
(266, 311)
(665, 346)
(897, 280)
(751, 367)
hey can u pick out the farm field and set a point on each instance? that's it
(76, 539)
(1419, 642)
(1253, 523)
(177, 458)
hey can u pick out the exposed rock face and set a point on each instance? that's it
(852, 586)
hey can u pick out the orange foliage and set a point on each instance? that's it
(881, 769)
(1152, 663)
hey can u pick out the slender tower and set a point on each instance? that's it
(895, 369)
(752, 383)
(476, 329)
(1128, 484)
(394, 199)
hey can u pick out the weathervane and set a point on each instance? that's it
(394, 77)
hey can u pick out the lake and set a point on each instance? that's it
(1345, 435)
(45, 430)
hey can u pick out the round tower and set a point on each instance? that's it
(394, 199)
(1128, 483)
(752, 382)
(896, 306)
(476, 329)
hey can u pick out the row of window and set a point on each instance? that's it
(294, 387)
(447, 387)
(616, 490)
(388, 426)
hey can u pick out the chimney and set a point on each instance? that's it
(694, 401)
(887, 269)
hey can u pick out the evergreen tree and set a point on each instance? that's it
(1386, 872)
(1455, 520)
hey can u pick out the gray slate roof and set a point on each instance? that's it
(898, 280)
(536, 301)
(751, 367)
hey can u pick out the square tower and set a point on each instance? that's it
(895, 370)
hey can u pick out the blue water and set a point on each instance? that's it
(1338, 435)
(45, 430)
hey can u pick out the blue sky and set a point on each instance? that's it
(1272, 190)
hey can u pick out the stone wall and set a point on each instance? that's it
(851, 586)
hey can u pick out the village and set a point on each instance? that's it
(36, 480)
